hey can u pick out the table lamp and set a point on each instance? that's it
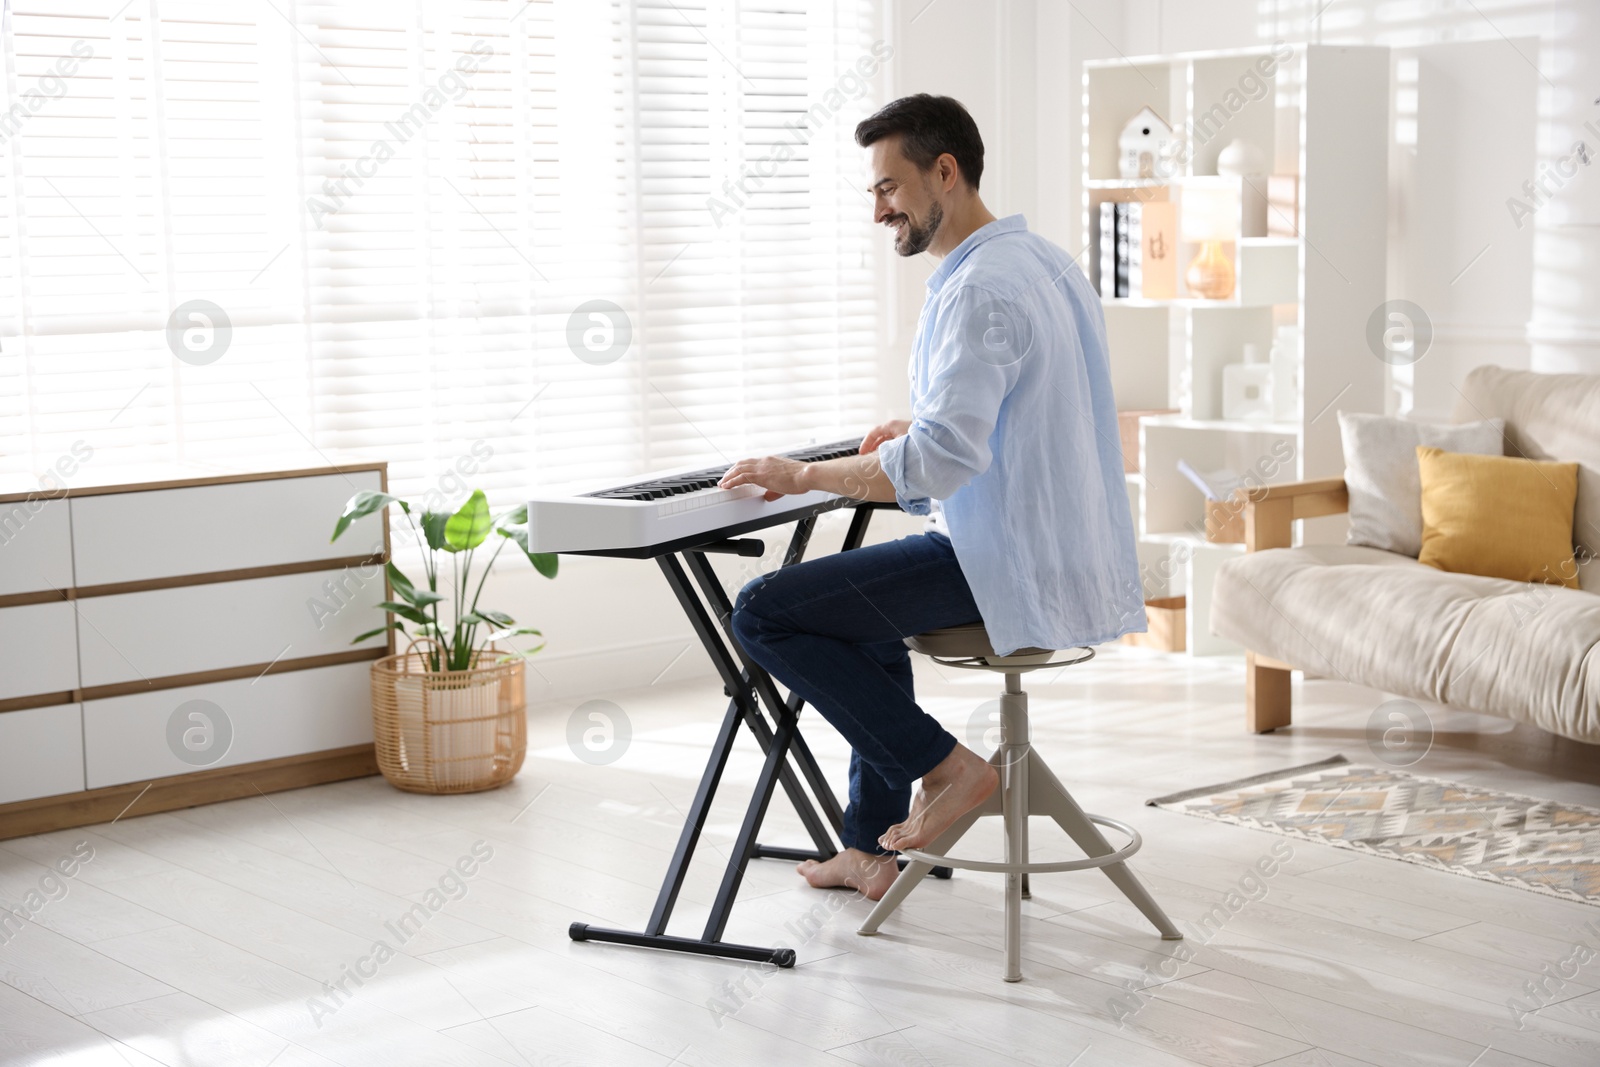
(1210, 217)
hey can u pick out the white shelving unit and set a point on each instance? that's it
(1321, 118)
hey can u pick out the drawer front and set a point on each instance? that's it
(40, 649)
(35, 546)
(160, 632)
(219, 724)
(41, 752)
(163, 533)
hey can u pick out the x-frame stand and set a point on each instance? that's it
(748, 687)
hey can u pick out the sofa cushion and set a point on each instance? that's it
(1501, 516)
(1381, 473)
(1524, 651)
(1548, 416)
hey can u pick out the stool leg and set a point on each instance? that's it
(911, 877)
(1014, 805)
(1050, 797)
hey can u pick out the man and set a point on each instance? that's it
(1013, 429)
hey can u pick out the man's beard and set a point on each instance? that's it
(918, 238)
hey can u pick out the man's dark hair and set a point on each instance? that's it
(928, 126)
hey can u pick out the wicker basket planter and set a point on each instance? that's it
(448, 731)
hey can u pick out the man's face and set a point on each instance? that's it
(903, 198)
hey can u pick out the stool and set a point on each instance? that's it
(1027, 787)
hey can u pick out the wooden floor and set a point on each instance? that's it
(218, 935)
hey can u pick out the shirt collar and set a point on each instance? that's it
(1008, 224)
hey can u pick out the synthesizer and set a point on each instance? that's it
(662, 511)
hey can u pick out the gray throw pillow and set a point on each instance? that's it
(1380, 470)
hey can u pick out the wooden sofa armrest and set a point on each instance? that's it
(1271, 510)
(1269, 515)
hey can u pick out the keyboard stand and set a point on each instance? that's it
(748, 686)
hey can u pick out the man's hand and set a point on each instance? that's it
(886, 432)
(857, 477)
(778, 475)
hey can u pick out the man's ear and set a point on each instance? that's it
(949, 171)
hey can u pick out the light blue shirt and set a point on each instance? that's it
(1014, 430)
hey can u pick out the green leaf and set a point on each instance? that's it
(379, 630)
(405, 611)
(499, 635)
(517, 516)
(363, 503)
(469, 526)
(433, 523)
(518, 653)
(546, 563)
(499, 618)
(400, 582)
(402, 585)
(470, 618)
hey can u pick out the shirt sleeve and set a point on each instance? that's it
(972, 363)
(891, 457)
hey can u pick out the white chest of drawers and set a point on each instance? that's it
(182, 636)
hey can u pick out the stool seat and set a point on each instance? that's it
(968, 641)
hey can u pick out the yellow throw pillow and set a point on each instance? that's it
(1499, 516)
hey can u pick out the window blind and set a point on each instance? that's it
(545, 242)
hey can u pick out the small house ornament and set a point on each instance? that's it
(1146, 147)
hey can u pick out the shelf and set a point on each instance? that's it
(1128, 183)
(1176, 302)
(1180, 422)
(1184, 537)
(1208, 181)
(1168, 59)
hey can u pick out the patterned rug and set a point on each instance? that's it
(1533, 844)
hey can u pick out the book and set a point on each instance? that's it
(1283, 205)
(1106, 282)
(1135, 250)
(1158, 258)
(1216, 485)
(1122, 251)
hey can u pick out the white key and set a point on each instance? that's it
(704, 498)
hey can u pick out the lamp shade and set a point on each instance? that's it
(1209, 214)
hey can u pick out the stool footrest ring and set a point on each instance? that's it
(1121, 854)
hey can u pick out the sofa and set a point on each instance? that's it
(1529, 652)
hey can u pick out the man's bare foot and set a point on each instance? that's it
(871, 874)
(961, 782)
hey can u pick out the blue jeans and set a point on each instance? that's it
(829, 628)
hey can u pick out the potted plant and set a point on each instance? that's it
(450, 717)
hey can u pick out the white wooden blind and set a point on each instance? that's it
(399, 206)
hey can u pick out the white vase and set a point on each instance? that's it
(1239, 159)
(1247, 388)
